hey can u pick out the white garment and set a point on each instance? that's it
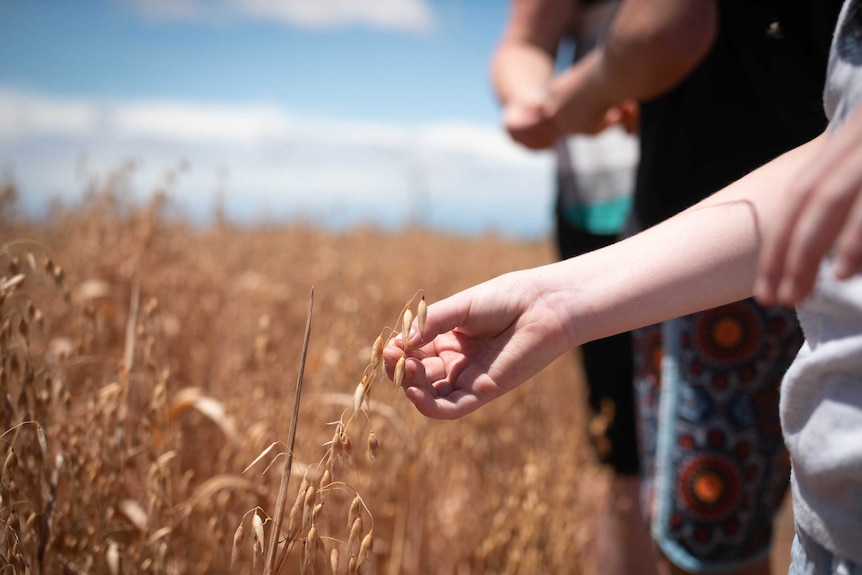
(596, 173)
(821, 415)
(821, 403)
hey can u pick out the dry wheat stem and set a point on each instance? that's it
(129, 352)
(261, 456)
(285, 478)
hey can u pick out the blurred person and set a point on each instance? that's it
(723, 86)
(790, 232)
(594, 187)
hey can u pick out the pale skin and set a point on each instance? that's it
(652, 45)
(770, 229)
(821, 210)
(766, 235)
(539, 107)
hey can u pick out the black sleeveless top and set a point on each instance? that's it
(757, 94)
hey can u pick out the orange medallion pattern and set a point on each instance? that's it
(725, 465)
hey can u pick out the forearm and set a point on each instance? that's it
(704, 257)
(523, 63)
(521, 73)
(652, 45)
(486, 340)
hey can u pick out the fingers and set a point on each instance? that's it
(848, 254)
(536, 137)
(831, 210)
(813, 233)
(459, 362)
(529, 125)
(822, 212)
(431, 358)
(429, 382)
(441, 317)
(630, 116)
(772, 264)
(848, 247)
(521, 116)
(453, 406)
(439, 378)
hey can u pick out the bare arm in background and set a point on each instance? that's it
(522, 67)
(651, 46)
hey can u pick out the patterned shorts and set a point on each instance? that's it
(716, 469)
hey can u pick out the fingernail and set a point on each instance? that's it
(842, 270)
(787, 292)
(763, 293)
(759, 289)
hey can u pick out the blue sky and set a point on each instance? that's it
(335, 110)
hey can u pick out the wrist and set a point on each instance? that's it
(566, 300)
(580, 98)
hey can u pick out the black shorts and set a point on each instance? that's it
(609, 372)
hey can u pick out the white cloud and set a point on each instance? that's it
(205, 123)
(413, 16)
(473, 139)
(407, 15)
(457, 175)
(25, 114)
(28, 115)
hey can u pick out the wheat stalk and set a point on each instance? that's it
(288, 462)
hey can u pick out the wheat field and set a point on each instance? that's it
(149, 371)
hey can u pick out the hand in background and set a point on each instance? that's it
(530, 125)
(626, 115)
(535, 126)
(579, 102)
(822, 211)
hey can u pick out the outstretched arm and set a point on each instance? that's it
(488, 339)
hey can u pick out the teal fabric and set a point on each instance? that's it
(601, 218)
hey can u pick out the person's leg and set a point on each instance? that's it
(717, 469)
(622, 543)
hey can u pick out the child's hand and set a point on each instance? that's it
(479, 344)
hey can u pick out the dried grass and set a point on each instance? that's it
(146, 384)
